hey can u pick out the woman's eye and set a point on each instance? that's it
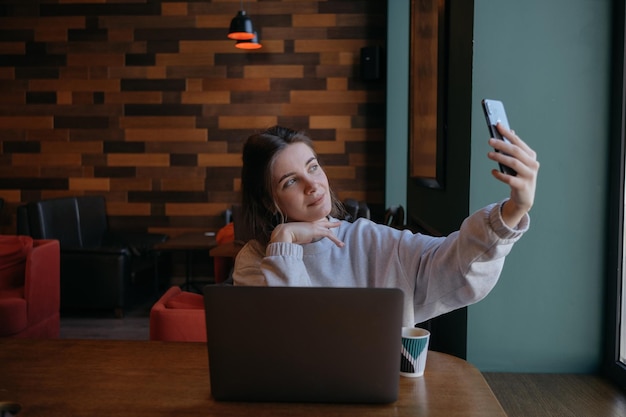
(288, 182)
(313, 167)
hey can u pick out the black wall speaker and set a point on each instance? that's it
(371, 59)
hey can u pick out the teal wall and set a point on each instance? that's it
(549, 62)
(397, 103)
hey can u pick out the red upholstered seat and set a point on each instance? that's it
(29, 287)
(14, 311)
(178, 316)
(222, 265)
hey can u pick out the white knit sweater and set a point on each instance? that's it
(436, 274)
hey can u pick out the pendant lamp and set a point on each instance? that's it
(241, 26)
(249, 43)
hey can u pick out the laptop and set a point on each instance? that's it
(294, 344)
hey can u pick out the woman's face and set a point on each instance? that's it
(300, 185)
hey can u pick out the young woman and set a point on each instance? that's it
(298, 240)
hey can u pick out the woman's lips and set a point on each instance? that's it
(318, 201)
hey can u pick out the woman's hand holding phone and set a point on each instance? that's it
(517, 155)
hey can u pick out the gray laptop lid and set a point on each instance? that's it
(304, 344)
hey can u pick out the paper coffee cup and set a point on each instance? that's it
(414, 351)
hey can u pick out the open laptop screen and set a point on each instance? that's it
(304, 344)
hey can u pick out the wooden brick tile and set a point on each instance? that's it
(194, 84)
(190, 184)
(162, 110)
(311, 109)
(48, 159)
(13, 97)
(127, 209)
(313, 20)
(11, 196)
(219, 160)
(364, 135)
(357, 20)
(166, 134)
(259, 84)
(138, 84)
(82, 97)
(207, 47)
(287, 32)
(14, 48)
(174, 9)
(260, 98)
(337, 83)
(294, 122)
(130, 184)
(17, 146)
(26, 122)
(191, 58)
(193, 148)
(50, 34)
(183, 159)
(286, 84)
(142, 97)
(205, 97)
(348, 58)
(110, 134)
(325, 45)
(285, 8)
(64, 97)
(120, 34)
(74, 85)
(71, 147)
(48, 135)
(114, 172)
(214, 20)
(18, 177)
(274, 71)
(250, 122)
(134, 160)
(238, 109)
(195, 209)
(81, 60)
(329, 122)
(337, 172)
(327, 71)
(154, 122)
(148, 72)
(329, 147)
(7, 73)
(329, 96)
(81, 122)
(89, 184)
(195, 72)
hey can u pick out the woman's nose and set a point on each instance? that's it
(310, 186)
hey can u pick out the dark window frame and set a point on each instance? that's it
(612, 366)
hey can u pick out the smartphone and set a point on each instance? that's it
(494, 113)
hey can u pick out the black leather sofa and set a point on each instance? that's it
(100, 268)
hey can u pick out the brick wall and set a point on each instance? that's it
(148, 103)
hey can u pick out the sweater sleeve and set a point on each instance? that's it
(253, 267)
(462, 268)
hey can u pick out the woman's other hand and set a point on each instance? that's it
(305, 232)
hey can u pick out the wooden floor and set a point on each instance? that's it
(557, 395)
(521, 395)
(135, 325)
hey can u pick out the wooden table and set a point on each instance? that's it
(189, 243)
(140, 378)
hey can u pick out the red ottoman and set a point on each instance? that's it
(178, 316)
